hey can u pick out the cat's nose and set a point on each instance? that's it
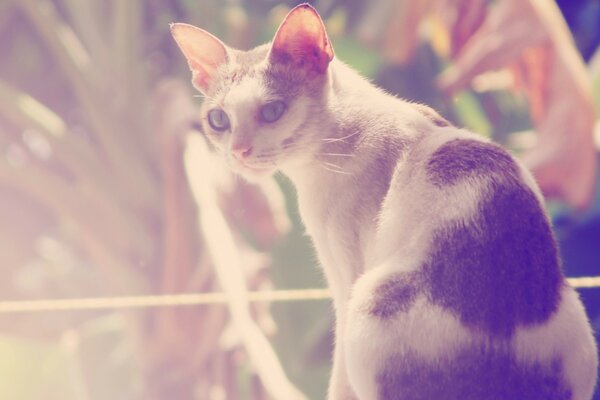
(241, 151)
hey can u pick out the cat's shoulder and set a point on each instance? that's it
(461, 158)
(451, 155)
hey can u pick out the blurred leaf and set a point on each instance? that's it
(31, 370)
(76, 64)
(596, 91)
(470, 114)
(363, 59)
(533, 39)
(108, 358)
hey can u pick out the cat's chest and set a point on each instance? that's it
(337, 234)
(326, 223)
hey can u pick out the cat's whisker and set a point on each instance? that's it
(332, 140)
(295, 146)
(336, 154)
(203, 96)
(334, 168)
(330, 164)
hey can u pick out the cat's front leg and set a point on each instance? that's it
(339, 385)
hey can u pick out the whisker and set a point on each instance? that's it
(294, 146)
(332, 165)
(203, 96)
(334, 170)
(335, 154)
(331, 140)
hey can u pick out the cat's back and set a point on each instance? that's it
(468, 270)
(447, 178)
(472, 218)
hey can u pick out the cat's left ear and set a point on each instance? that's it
(203, 51)
(302, 41)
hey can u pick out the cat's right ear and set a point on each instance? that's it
(203, 51)
(302, 41)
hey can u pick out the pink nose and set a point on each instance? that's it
(241, 151)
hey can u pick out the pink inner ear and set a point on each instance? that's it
(203, 51)
(302, 40)
(200, 77)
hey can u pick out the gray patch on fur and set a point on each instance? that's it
(284, 81)
(472, 374)
(460, 158)
(395, 295)
(501, 269)
(243, 64)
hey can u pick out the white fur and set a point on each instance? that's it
(425, 330)
(429, 331)
(566, 335)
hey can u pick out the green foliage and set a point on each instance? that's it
(470, 114)
(596, 91)
(31, 369)
(364, 60)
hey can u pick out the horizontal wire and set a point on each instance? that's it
(585, 282)
(190, 299)
(165, 300)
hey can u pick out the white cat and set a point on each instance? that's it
(445, 274)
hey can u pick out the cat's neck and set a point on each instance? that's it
(357, 118)
(362, 134)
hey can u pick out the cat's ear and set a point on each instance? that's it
(302, 41)
(204, 53)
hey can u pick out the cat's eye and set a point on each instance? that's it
(272, 111)
(218, 120)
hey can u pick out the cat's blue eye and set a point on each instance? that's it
(218, 120)
(272, 111)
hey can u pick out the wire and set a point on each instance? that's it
(585, 282)
(190, 299)
(124, 302)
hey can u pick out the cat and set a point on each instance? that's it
(444, 271)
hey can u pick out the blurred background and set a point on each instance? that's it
(95, 113)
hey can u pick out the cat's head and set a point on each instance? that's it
(261, 106)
